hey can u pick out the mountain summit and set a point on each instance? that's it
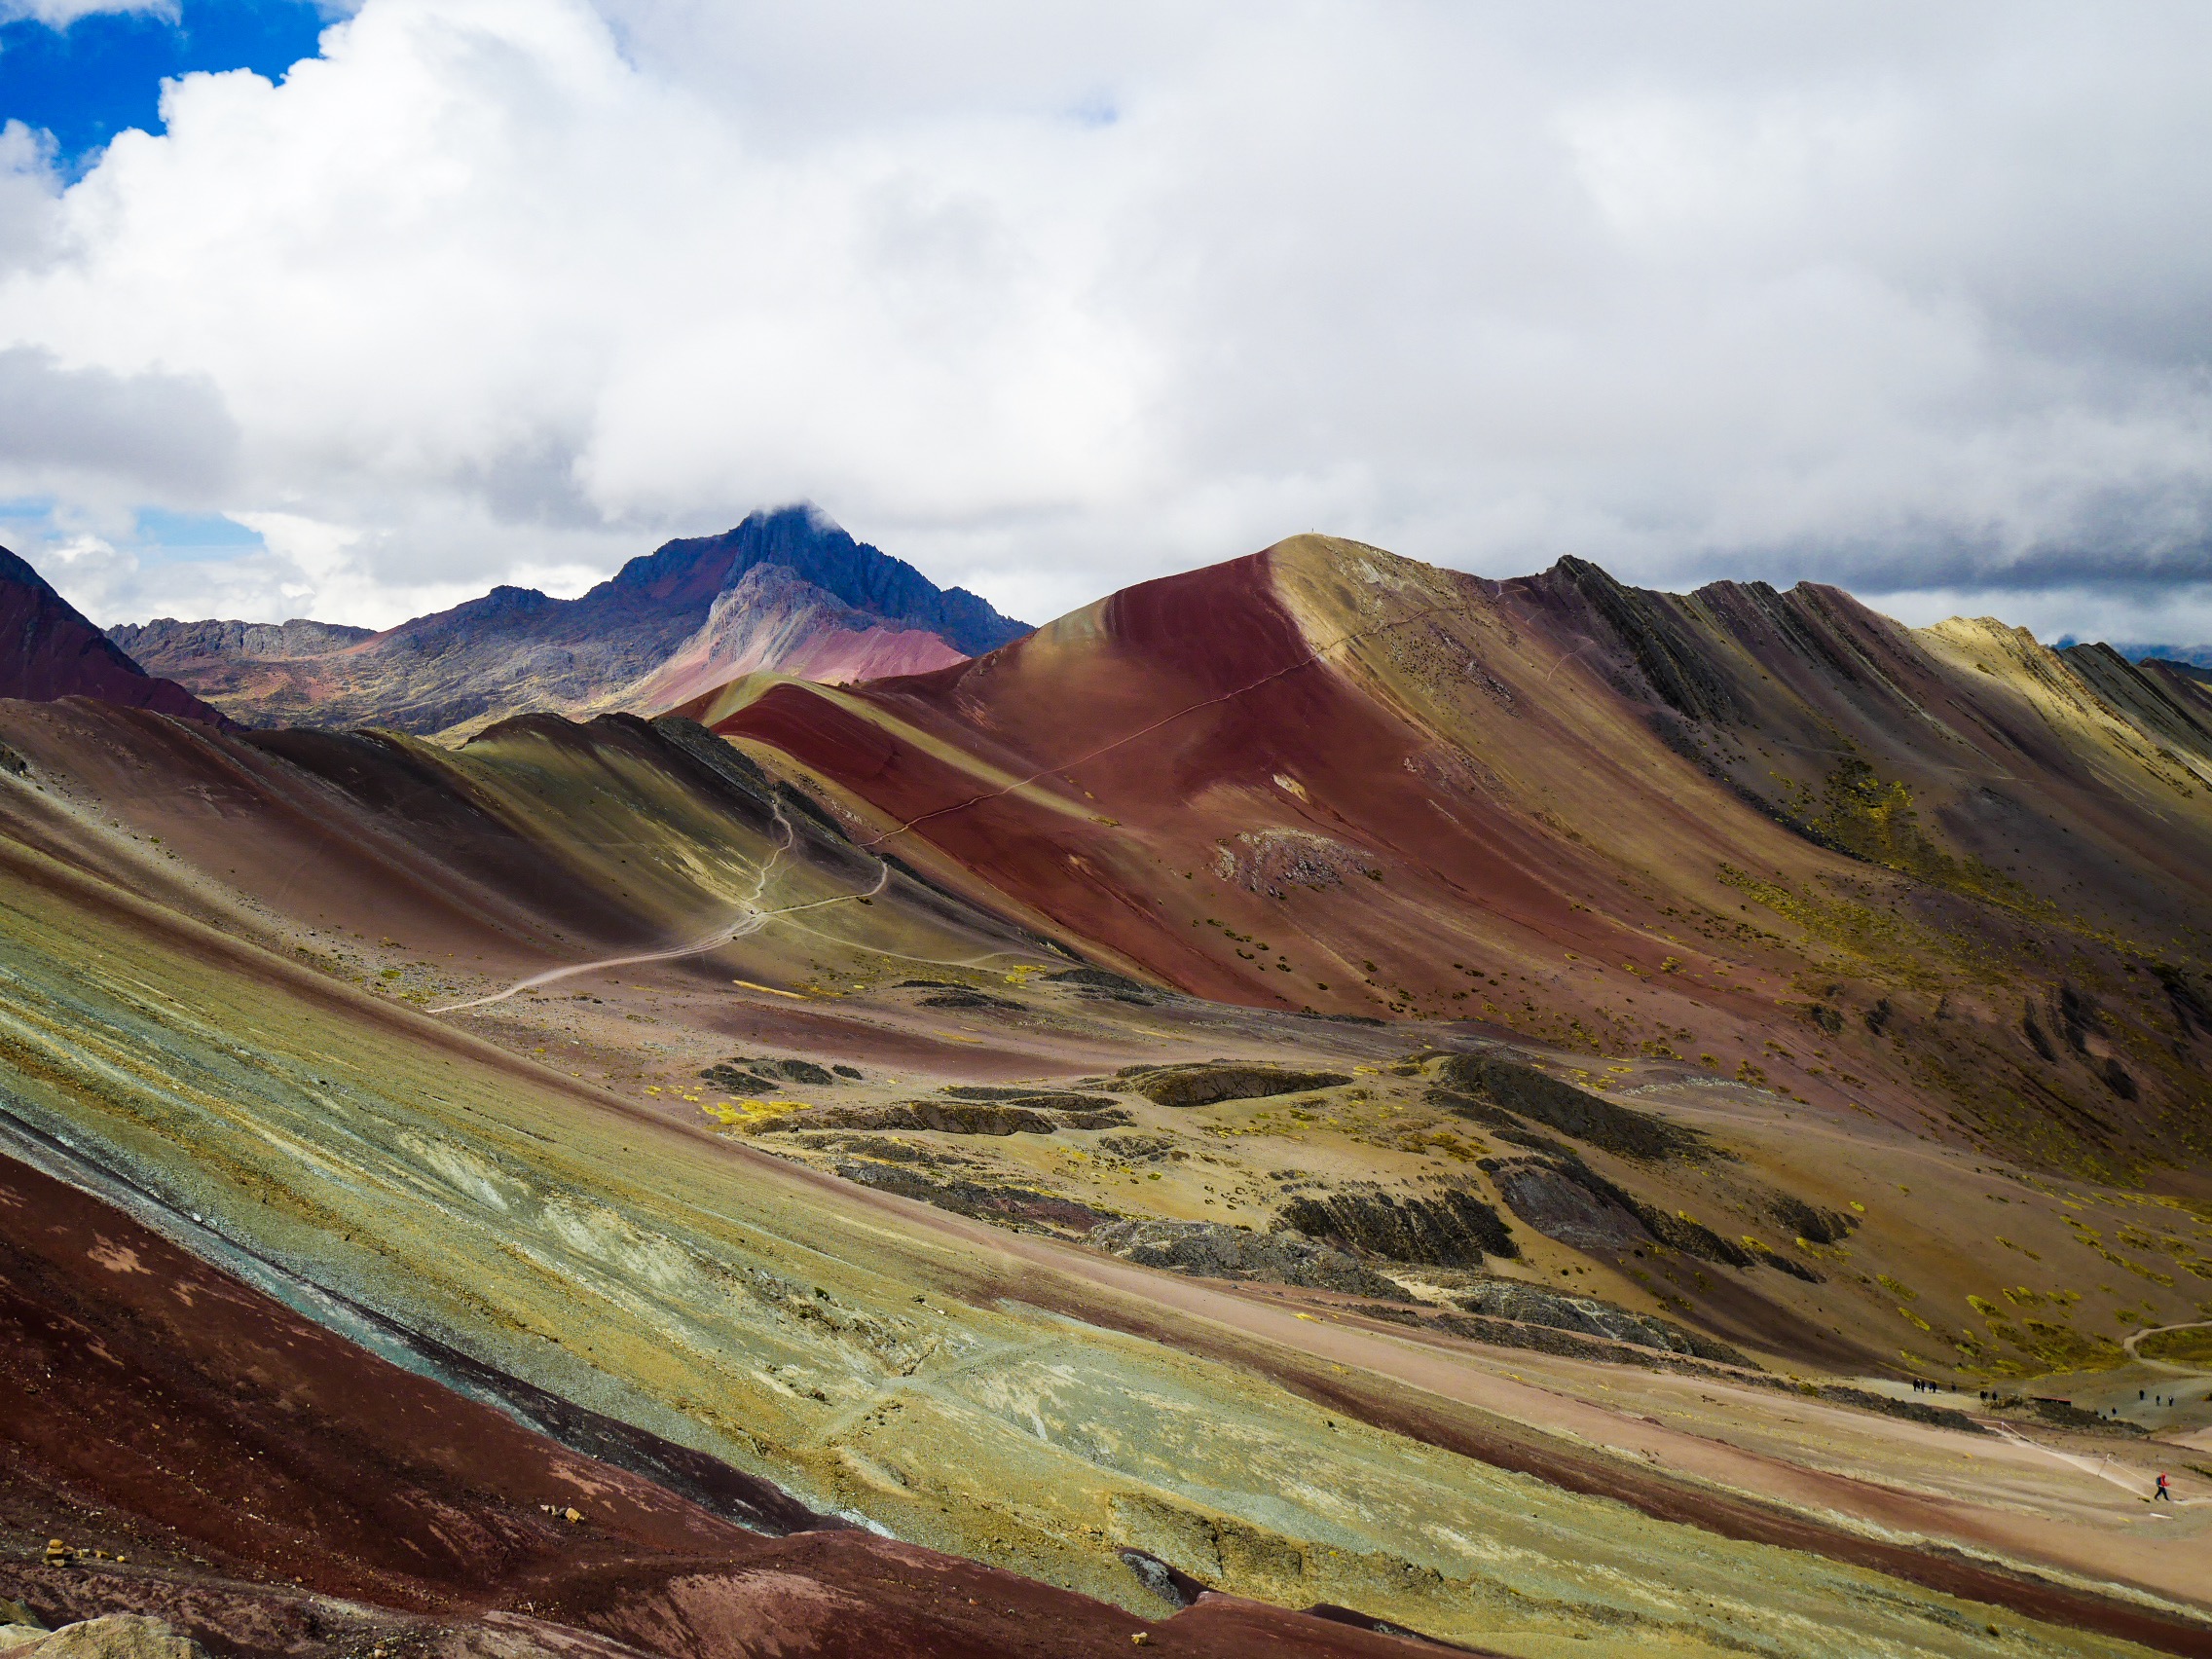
(517, 650)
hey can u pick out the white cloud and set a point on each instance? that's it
(61, 13)
(1049, 300)
(97, 432)
(28, 187)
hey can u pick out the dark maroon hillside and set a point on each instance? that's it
(49, 650)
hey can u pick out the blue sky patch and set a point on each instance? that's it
(157, 536)
(103, 73)
(164, 534)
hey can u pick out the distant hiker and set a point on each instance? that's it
(2164, 1493)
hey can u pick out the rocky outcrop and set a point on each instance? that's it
(1452, 1228)
(946, 1116)
(1038, 1099)
(1562, 1208)
(1008, 1205)
(1809, 1221)
(165, 643)
(1209, 1249)
(1000, 1112)
(1480, 1087)
(1273, 860)
(1096, 980)
(1651, 631)
(740, 1075)
(965, 997)
(1202, 1083)
(1565, 1198)
(1531, 1305)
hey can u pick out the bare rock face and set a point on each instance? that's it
(1564, 1209)
(774, 620)
(1274, 861)
(1020, 1207)
(946, 1117)
(119, 1636)
(1531, 1305)
(742, 1074)
(1473, 1082)
(1209, 1249)
(1204, 1082)
(166, 642)
(1452, 1228)
(1563, 1197)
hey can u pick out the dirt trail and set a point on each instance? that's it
(751, 922)
(2166, 1365)
(2105, 1470)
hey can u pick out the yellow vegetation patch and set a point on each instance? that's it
(2189, 1346)
(749, 1115)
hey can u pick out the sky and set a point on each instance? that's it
(353, 312)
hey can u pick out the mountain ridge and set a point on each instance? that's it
(772, 620)
(514, 649)
(1564, 783)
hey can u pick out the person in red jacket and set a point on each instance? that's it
(2164, 1493)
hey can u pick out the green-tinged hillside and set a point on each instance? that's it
(962, 1395)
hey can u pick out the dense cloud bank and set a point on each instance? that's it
(1912, 300)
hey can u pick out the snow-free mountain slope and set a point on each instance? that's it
(615, 1251)
(1773, 831)
(212, 1434)
(48, 649)
(1691, 1061)
(771, 621)
(517, 650)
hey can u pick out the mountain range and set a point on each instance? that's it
(1321, 1105)
(785, 591)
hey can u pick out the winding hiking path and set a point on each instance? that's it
(751, 921)
(2166, 1365)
